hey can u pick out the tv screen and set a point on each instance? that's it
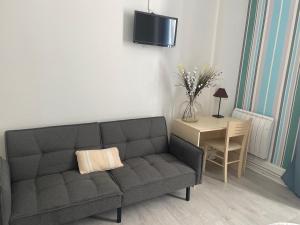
(153, 29)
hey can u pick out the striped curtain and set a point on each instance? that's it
(269, 71)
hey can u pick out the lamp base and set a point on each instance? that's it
(218, 116)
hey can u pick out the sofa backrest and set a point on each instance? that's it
(42, 151)
(136, 137)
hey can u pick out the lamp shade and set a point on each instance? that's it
(221, 93)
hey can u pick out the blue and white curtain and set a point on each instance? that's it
(269, 71)
(292, 174)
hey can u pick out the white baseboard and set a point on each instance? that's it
(265, 168)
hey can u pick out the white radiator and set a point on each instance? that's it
(261, 132)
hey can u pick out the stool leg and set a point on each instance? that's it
(225, 166)
(240, 164)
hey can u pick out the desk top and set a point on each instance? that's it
(209, 123)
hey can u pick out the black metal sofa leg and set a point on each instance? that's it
(188, 194)
(119, 215)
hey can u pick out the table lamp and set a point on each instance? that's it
(220, 93)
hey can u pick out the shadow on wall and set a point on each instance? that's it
(2, 146)
(167, 92)
(128, 22)
(174, 99)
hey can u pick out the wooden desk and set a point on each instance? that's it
(207, 127)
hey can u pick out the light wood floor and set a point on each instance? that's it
(250, 200)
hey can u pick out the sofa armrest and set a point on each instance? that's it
(187, 153)
(5, 193)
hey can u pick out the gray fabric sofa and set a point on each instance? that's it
(40, 183)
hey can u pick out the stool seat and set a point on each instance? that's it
(219, 144)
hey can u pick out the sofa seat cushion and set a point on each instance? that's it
(58, 191)
(149, 169)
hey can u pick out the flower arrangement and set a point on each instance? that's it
(194, 82)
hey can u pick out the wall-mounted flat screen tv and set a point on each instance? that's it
(153, 29)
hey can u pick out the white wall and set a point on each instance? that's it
(213, 37)
(72, 61)
(228, 47)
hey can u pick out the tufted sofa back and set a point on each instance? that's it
(136, 137)
(42, 151)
